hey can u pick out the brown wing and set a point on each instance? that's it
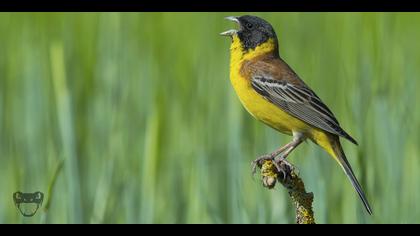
(282, 87)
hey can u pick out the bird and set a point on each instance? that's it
(273, 93)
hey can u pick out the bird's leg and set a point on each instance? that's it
(298, 138)
(260, 160)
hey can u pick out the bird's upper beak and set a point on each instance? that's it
(232, 31)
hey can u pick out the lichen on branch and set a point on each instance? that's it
(288, 177)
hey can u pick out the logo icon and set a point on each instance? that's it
(28, 203)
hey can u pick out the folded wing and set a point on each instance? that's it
(300, 102)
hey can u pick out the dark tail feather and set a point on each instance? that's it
(342, 160)
(348, 137)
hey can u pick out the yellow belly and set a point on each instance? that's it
(264, 110)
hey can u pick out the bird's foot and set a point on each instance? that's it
(282, 160)
(260, 161)
(286, 168)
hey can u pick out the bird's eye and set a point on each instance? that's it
(249, 25)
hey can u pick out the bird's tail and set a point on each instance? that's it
(342, 160)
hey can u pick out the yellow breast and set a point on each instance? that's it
(253, 102)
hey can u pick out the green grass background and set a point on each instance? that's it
(140, 108)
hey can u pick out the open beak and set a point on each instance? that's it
(232, 31)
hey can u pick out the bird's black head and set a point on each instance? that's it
(253, 31)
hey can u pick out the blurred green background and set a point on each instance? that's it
(140, 108)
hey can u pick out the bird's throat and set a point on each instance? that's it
(239, 54)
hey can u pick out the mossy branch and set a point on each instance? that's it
(288, 177)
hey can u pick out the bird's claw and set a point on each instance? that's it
(259, 162)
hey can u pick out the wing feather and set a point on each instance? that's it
(300, 102)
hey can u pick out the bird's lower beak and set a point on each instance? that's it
(229, 32)
(232, 31)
